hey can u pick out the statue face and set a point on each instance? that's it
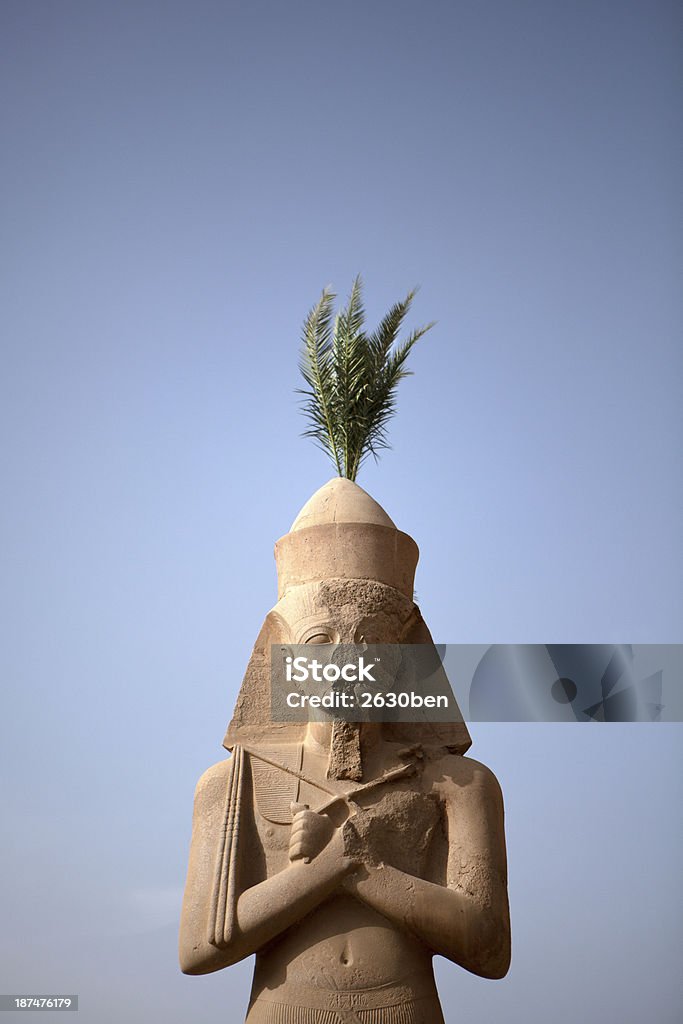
(335, 611)
(346, 612)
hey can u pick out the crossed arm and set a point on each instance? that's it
(264, 910)
(466, 920)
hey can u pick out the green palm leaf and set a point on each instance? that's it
(352, 378)
(317, 369)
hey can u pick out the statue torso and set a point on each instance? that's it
(345, 946)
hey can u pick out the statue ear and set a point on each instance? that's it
(251, 720)
(452, 735)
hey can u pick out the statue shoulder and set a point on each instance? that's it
(212, 785)
(455, 774)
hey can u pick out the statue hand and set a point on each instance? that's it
(311, 832)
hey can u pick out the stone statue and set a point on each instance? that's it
(344, 855)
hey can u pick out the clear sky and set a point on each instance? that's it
(179, 181)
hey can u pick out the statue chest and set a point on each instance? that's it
(397, 826)
(403, 828)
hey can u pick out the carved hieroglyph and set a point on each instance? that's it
(344, 901)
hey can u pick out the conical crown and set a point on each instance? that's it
(343, 533)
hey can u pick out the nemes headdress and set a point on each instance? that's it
(341, 533)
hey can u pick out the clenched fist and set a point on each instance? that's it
(311, 832)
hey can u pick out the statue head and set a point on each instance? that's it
(345, 576)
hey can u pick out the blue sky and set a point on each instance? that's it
(179, 182)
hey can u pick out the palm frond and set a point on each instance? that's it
(352, 377)
(317, 369)
(348, 359)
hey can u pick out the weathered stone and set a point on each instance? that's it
(344, 761)
(344, 894)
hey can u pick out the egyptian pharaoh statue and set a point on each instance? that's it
(312, 845)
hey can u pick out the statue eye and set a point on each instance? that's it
(319, 638)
